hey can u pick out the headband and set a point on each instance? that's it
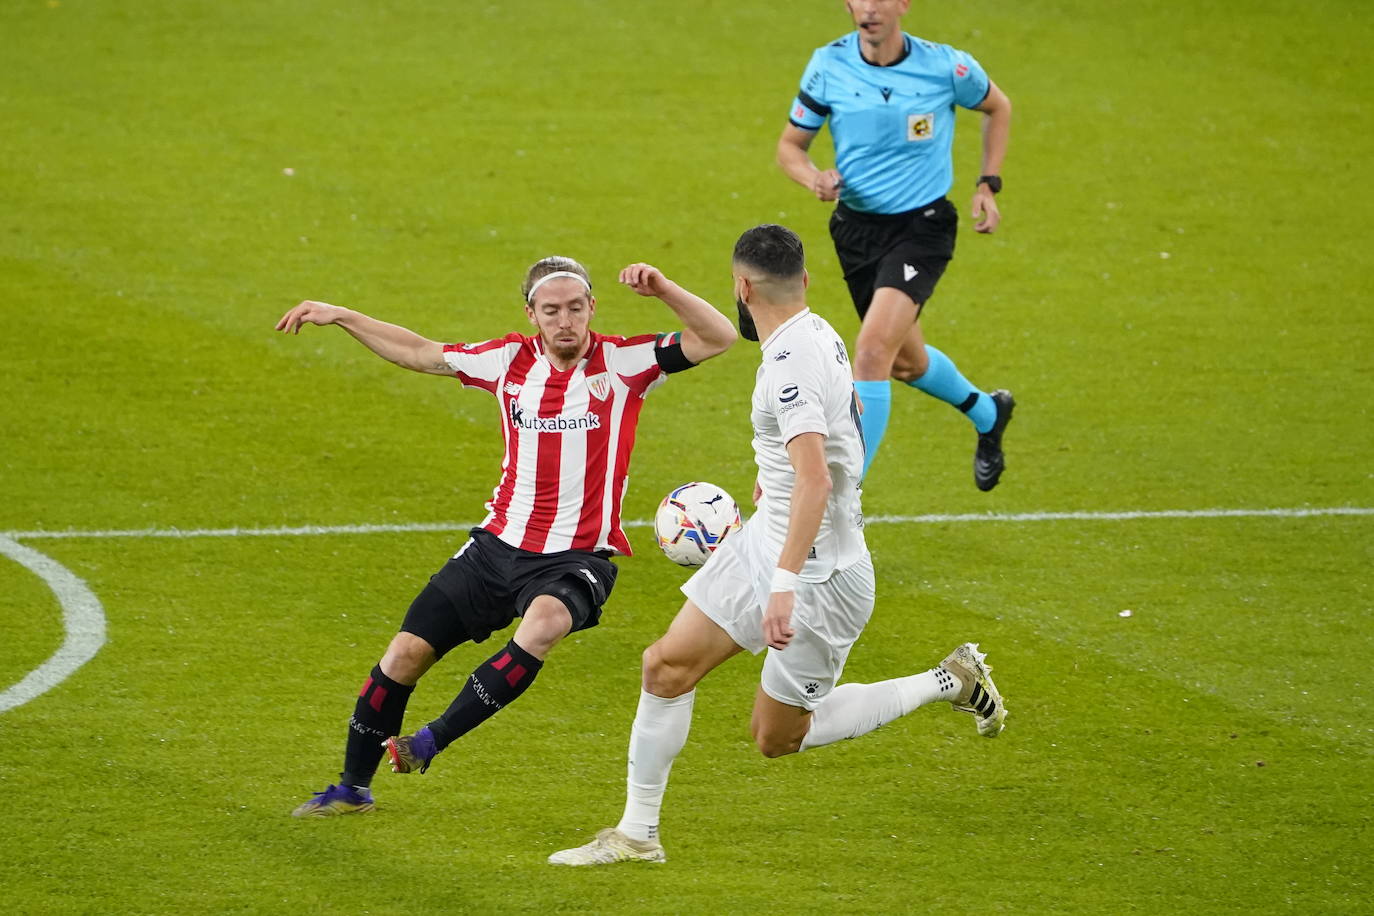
(553, 276)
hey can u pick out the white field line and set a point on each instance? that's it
(83, 619)
(411, 527)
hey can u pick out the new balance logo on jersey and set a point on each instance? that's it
(520, 419)
(512, 389)
(908, 272)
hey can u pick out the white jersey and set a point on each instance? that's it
(805, 385)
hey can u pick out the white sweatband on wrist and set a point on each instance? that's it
(554, 276)
(783, 581)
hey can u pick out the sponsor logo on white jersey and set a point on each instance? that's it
(522, 419)
(790, 398)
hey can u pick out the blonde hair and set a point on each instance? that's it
(552, 265)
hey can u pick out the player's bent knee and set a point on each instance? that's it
(550, 616)
(778, 728)
(772, 745)
(545, 623)
(909, 365)
(872, 365)
(908, 372)
(661, 677)
(407, 658)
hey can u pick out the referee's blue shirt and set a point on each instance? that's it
(893, 126)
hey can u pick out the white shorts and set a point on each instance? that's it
(732, 589)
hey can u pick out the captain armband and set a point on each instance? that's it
(669, 354)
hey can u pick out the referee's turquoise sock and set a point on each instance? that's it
(877, 403)
(943, 380)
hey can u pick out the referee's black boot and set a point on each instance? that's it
(988, 460)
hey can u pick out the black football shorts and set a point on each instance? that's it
(907, 251)
(489, 583)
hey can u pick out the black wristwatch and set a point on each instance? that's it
(994, 182)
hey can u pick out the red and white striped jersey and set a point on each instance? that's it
(568, 435)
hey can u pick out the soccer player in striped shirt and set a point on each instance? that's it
(890, 98)
(570, 400)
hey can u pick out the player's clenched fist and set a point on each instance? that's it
(645, 279)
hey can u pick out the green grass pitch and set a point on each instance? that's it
(1180, 298)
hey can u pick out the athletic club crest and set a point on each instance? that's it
(599, 385)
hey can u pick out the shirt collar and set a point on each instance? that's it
(785, 325)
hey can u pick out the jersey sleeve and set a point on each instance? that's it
(809, 108)
(480, 365)
(795, 396)
(969, 79)
(668, 353)
(636, 361)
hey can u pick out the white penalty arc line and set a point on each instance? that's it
(83, 619)
(414, 527)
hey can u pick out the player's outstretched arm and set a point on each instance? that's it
(794, 158)
(810, 492)
(705, 331)
(996, 133)
(391, 342)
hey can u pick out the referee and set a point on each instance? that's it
(889, 98)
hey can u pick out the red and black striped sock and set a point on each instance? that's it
(377, 715)
(495, 683)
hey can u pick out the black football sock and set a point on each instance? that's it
(495, 683)
(377, 716)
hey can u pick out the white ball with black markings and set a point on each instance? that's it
(693, 520)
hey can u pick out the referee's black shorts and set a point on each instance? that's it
(489, 583)
(907, 251)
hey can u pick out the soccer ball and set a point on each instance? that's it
(693, 520)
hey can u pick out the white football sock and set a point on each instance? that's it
(852, 710)
(657, 737)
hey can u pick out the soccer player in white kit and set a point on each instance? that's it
(796, 580)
